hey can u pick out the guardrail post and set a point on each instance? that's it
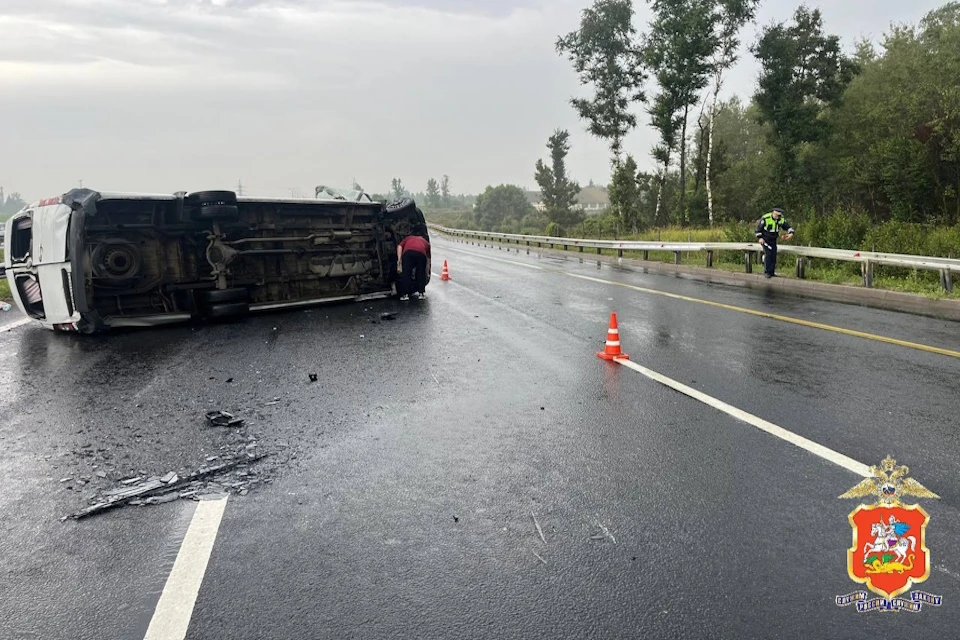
(709, 259)
(581, 248)
(599, 250)
(646, 255)
(619, 253)
(748, 260)
(801, 268)
(946, 280)
(564, 247)
(866, 269)
(676, 257)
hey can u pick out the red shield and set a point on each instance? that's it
(888, 553)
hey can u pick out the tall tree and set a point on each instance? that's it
(625, 193)
(605, 55)
(803, 74)
(678, 49)
(730, 18)
(445, 190)
(398, 190)
(559, 192)
(433, 193)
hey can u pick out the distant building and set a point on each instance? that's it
(592, 200)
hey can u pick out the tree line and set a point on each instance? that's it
(437, 194)
(868, 133)
(11, 203)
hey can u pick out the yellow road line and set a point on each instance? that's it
(752, 312)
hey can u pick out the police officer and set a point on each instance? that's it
(768, 232)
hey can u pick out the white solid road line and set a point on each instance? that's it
(808, 445)
(175, 608)
(17, 323)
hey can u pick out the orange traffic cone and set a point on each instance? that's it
(444, 275)
(612, 349)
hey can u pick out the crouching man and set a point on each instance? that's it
(413, 264)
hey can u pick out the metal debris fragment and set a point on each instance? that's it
(169, 478)
(219, 418)
(151, 490)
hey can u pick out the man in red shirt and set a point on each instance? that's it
(413, 264)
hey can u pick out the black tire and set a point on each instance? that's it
(218, 212)
(232, 310)
(204, 198)
(400, 206)
(225, 296)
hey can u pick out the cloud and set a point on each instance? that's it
(162, 95)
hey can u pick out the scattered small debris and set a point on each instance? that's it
(539, 530)
(391, 315)
(132, 480)
(538, 556)
(170, 478)
(456, 519)
(272, 402)
(100, 474)
(313, 377)
(65, 479)
(229, 380)
(219, 418)
(154, 491)
(604, 534)
(212, 458)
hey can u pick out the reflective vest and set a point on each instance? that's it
(770, 224)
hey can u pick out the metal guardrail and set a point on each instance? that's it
(867, 259)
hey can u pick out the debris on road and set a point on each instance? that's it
(313, 377)
(539, 530)
(390, 315)
(219, 418)
(232, 474)
(538, 556)
(604, 534)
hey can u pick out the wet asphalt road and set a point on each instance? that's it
(404, 479)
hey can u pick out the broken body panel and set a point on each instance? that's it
(90, 261)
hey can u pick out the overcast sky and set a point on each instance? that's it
(168, 95)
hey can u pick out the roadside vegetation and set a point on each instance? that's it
(858, 141)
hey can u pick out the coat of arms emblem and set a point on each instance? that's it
(889, 553)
